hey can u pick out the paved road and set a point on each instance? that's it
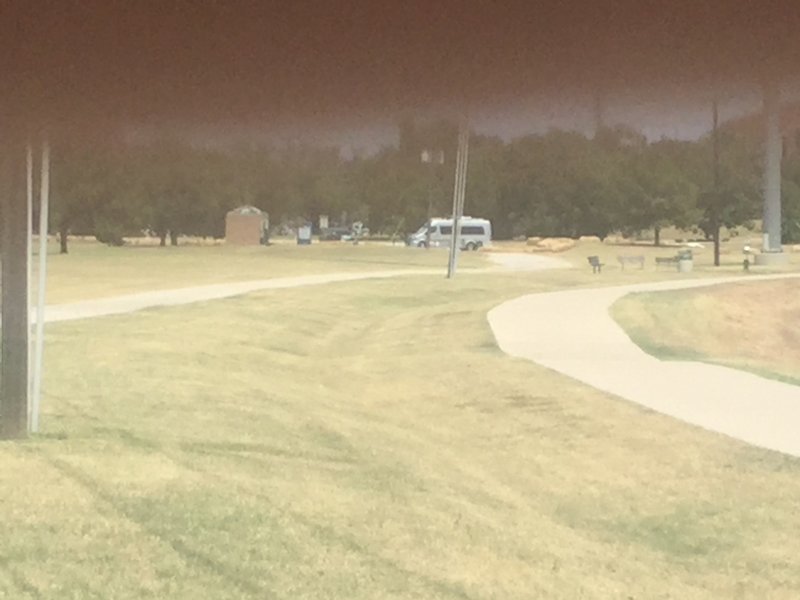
(573, 333)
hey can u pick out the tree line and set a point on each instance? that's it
(559, 183)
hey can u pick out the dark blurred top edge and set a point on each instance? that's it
(100, 63)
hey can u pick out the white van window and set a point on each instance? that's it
(472, 230)
(447, 230)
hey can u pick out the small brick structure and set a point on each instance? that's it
(246, 226)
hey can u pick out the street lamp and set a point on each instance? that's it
(459, 189)
(430, 157)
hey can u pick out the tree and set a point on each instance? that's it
(556, 184)
(790, 200)
(84, 181)
(659, 193)
(484, 175)
(166, 191)
(730, 194)
(563, 183)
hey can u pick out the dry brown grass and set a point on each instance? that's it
(745, 325)
(576, 251)
(368, 441)
(92, 270)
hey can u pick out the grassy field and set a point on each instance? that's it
(746, 326)
(731, 257)
(368, 440)
(92, 270)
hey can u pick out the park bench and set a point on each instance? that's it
(597, 266)
(674, 260)
(666, 260)
(631, 260)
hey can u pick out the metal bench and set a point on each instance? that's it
(631, 260)
(669, 261)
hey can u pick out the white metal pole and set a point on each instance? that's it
(462, 190)
(454, 247)
(458, 195)
(44, 201)
(451, 262)
(772, 170)
(29, 194)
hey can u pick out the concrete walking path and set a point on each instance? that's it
(569, 331)
(572, 332)
(118, 305)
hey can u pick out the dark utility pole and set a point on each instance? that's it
(14, 263)
(716, 200)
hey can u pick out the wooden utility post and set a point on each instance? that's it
(14, 262)
(717, 207)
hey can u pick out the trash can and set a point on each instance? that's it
(685, 261)
(304, 235)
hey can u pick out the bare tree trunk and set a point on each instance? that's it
(658, 235)
(63, 235)
(162, 236)
(173, 238)
(716, 245)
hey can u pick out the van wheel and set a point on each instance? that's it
(422, 245)
(470, 247)
(478, 246)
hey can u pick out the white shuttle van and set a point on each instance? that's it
(474, 234)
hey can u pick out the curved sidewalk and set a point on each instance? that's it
(119, 305)
(572, 332)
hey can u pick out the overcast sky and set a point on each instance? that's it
(351, 67)
(685, 118)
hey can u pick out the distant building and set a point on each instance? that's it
(246, 226)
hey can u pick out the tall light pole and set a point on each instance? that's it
(459, 190)
(44, 201)
(29, 209)
(772, 170)
(432, 158)
(772, 250)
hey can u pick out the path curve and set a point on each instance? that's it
(128, 303)
(572, 332)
